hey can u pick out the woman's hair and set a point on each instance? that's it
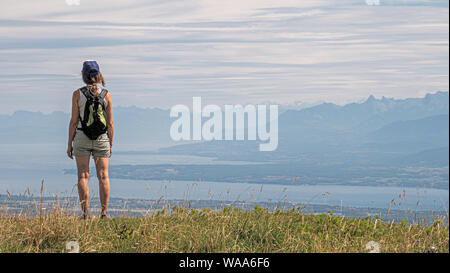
(90, 80)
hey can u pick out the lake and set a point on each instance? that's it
(23, 166)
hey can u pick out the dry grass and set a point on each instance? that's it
(229, 230)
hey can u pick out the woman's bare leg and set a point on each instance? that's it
(83, 183)
(101, 164)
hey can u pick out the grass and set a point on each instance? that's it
(228, 230)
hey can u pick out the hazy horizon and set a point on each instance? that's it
(294, 105)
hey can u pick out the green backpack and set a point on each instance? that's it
(94, 123)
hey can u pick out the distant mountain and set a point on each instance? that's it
(438, 157)
(358, 133)
(315, 129)
(360, 118)
(389, 142)
(133, 126)
(140, 126)
(391, 110)
(394, 142)
(33, 127)
(419, 134)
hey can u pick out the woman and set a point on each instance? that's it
(91, 132)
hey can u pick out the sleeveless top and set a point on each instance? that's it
(82, 103)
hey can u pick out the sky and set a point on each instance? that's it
(162, 53)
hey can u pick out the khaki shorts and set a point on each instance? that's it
(83, 146)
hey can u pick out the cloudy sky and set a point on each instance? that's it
(161, 53)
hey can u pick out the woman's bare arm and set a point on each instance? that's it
(73, 122)
(109, 113)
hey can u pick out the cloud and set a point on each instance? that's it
(161, 53)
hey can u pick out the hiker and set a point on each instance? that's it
(91, 132)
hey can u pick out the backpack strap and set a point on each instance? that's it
(86, 93)
(103, 93)
(88, 96)
(102, 97)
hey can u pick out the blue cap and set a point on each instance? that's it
(90, 68)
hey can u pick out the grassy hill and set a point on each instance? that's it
(229, 230)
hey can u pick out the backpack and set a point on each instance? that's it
(94, 123)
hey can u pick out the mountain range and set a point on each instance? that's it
(374, 131)
(376, 142)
